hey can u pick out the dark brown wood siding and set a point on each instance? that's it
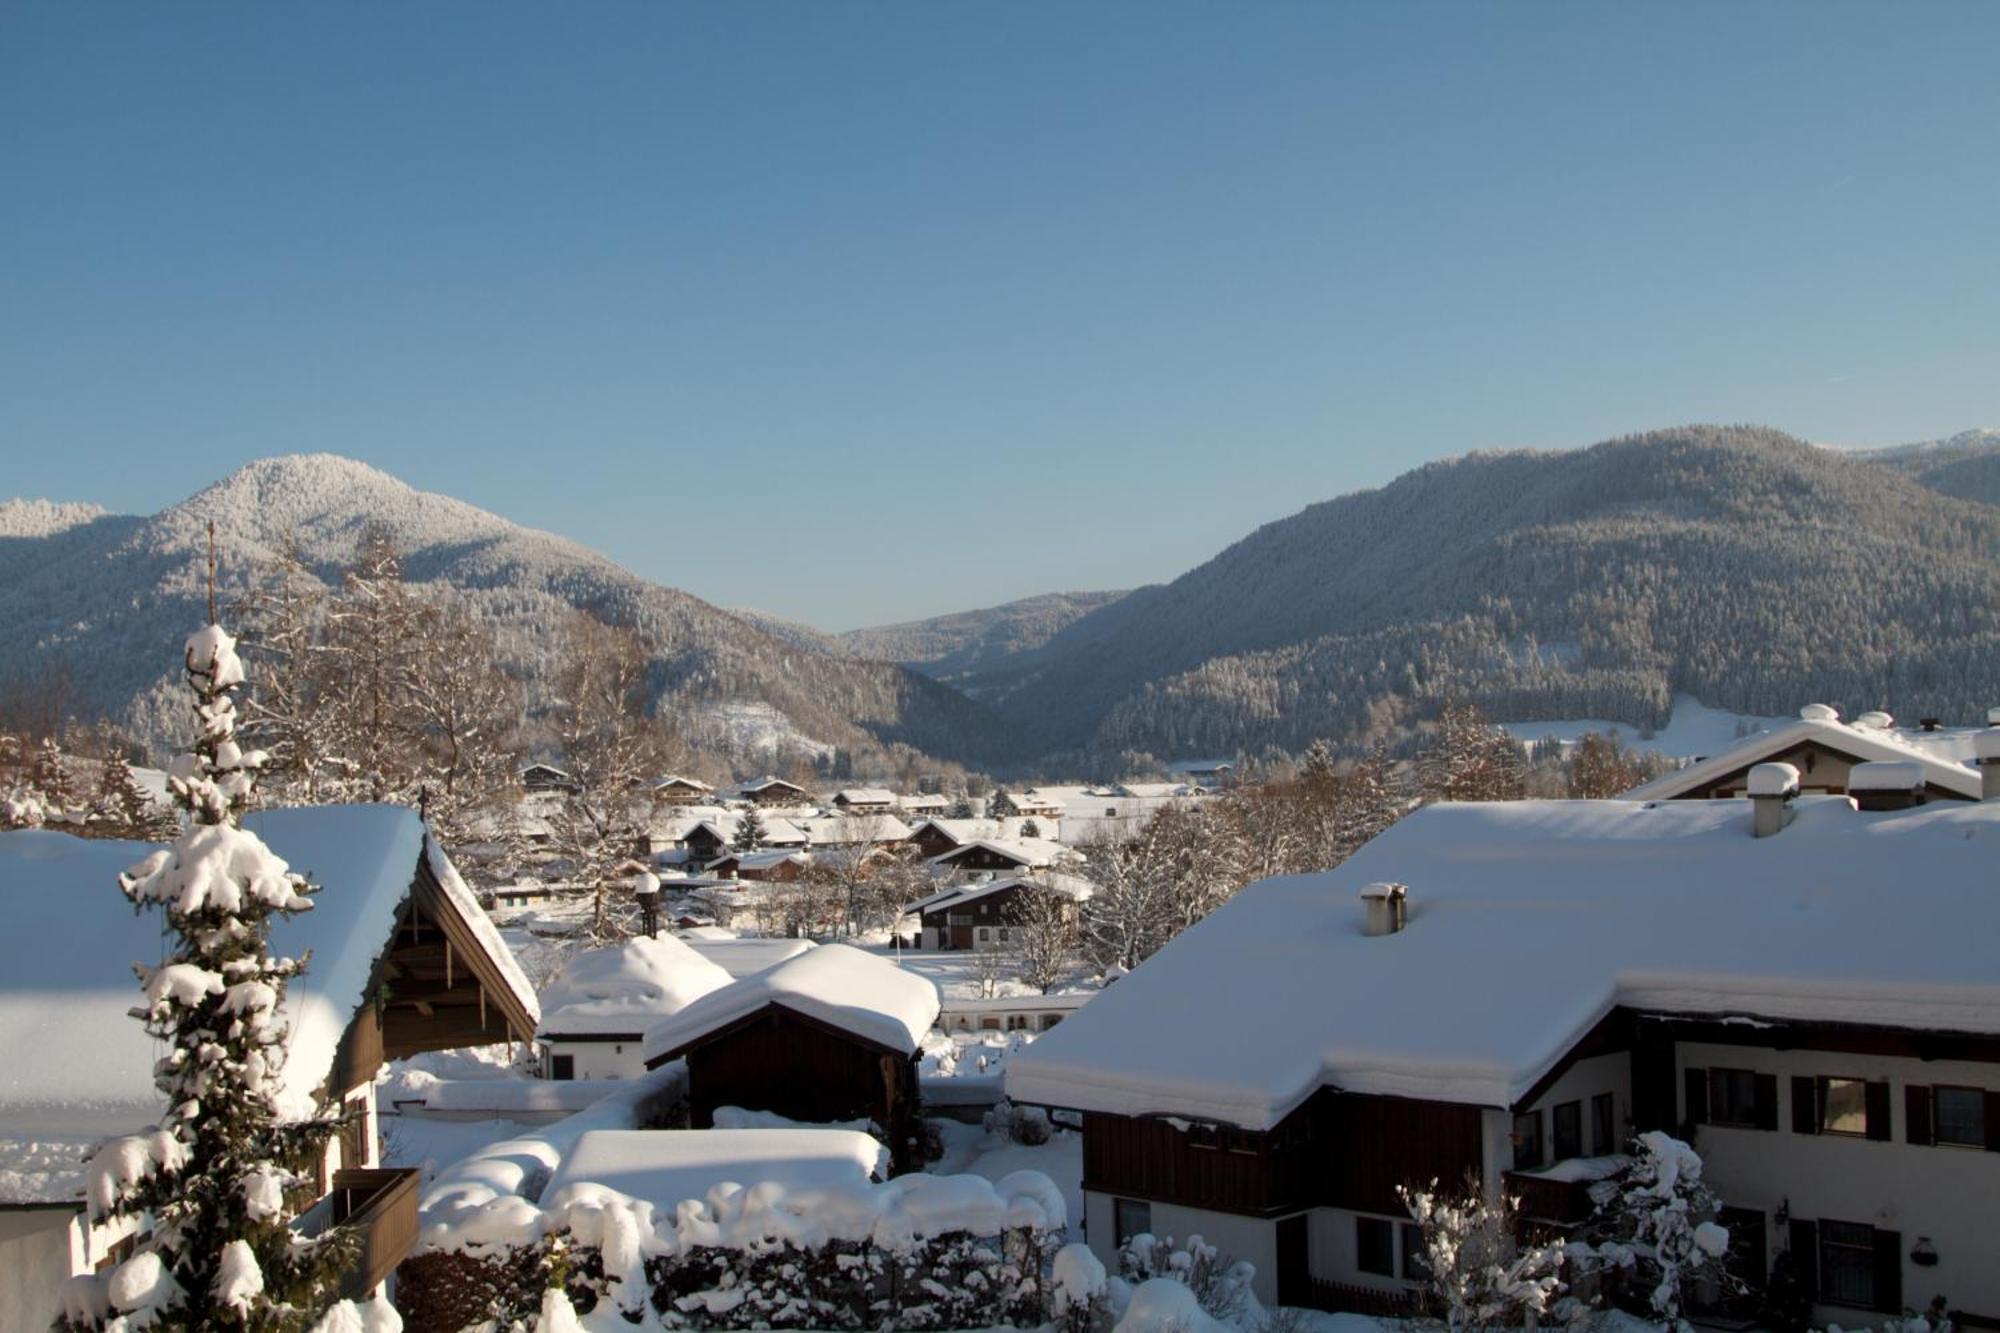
(1257, 1174)
(1366, 1146)
(779, 1061)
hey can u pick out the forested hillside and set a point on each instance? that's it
(1966, 466)
(1737, 564)
(86, 600)
(981, 652)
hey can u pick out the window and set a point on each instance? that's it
(1528, 1141)
(1129, 1218)
(1843, 1106)
(1416, 1259)
(1375, 1246)
(1603, 1125)
(1050, 1020)
(1006, 934)
(1847, 1264)
(1732, 1097)
(562, 1066)
(985, 934)
(1566, 1125)
(1960, 1115)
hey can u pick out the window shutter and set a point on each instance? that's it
(1889, 1271)
(1878, 1115)
(1993, 1122)
(1767, 1101)
(1694, 1083)
(1805, 1106)
(1805, 1253)
(1917, 1114)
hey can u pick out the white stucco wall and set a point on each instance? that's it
(1251, 1239)
(1579, 1083)
(598, 1059)
(35, 1249)
(1951, 1195)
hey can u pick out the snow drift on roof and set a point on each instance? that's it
(626, 987)
(667, 1167)
(837, 984)
(1556, 911)
(1858, 743)
(742, 957)
(79, 1067)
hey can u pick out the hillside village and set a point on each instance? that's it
(1180, 1052)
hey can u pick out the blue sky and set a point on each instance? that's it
(861, 312)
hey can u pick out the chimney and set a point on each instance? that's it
(1930, 723)
(1877, 720)
(1388, 908)
(1892, 785)
(1986, 751)
(1772, 788)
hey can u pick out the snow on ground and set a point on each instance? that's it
(975, 1151)
(1694, 729)
(955, 972)
(432, 1144)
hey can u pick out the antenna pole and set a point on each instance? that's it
(211, 571)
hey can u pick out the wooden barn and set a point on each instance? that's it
(831, 1035)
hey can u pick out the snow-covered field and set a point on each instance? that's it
(1694, 729)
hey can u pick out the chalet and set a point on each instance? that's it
(1007, 856)
(832, 1035)
(923, 805)
(1009, 1013)
(403, 961)
(984, 915)
(596, 1011)
(854, 831)
(772, 791)
(1042, 807)
(677, 790)
(710, 838)
(778, 865)
(934, 837)
(1823, 749)
(865, 800)
(1513, 989)
(1208, 774)
(546, 777)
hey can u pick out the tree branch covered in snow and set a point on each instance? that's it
(1480, 1272)
(211, 1177)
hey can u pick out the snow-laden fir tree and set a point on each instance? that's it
(210, 1179)
(49, 775)
(1661, 1226)
(750, 833)
(1000, 805)
(121, 809)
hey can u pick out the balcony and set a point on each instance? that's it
(380, 1208)
(1551, 1202)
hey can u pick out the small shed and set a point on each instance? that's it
(596, 1011)
(832, 1035)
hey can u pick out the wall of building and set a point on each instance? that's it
(1580, 1083)
(35, 1249)
(597, 1059)
(1251, 1239)
(1945, 1193)
(1334, 1248)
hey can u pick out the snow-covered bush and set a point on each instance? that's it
(213, 1176)
(1220, 1285)
(1481, 1275)
(1660, 1226)
(1020, 1124)
(1079, 1291)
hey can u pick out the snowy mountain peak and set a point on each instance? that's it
(44, 518)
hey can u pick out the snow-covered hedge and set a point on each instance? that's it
(916, 1252)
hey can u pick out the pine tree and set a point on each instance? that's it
(961, 808)
(1000, 805)
(750, 833)
(49, 776)
(214, 1172)
(290, 709)
(122, 810)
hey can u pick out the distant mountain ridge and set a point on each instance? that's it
(1966, 466)
(109, 598)
(1736, 564)
(980, 652)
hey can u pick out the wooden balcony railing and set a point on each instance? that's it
(1554, 1203)
(1344, 1298)
(381, 1206)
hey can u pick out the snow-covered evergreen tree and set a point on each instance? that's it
(1000, 805)
(1477, 1267)
(750, 832)
(211, 1177)
(1661, 1225)
(122, 810)
(49, 776)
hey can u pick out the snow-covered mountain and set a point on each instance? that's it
(981, 652)
(1966, 466)
(107, 599)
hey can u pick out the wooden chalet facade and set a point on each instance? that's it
(773, 791)
(781, 1060)
(981, 856)
(676, 790)
(980, 915)
(780, 867)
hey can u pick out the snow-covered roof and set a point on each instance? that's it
(836, 984)
(962, 831)
(677, 780)
(1074, 887)
(864, 796)
(1860, 744)
(853, 830)
(1022, 851)
(777, 831)
(78, 1066)
(1558, 911)
(924, 801)
(626, 987)
(765, 784)
(668, 1167)
(1184, 767)
(765, 859)
(742, 957)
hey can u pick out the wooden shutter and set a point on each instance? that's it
(1805, 1254)
(1878, 1114)
(1694, 1084)
(1805, 1105)
(1993, 1122)
(1889, 1271)
(1767, 1101)
(1917, 1114)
